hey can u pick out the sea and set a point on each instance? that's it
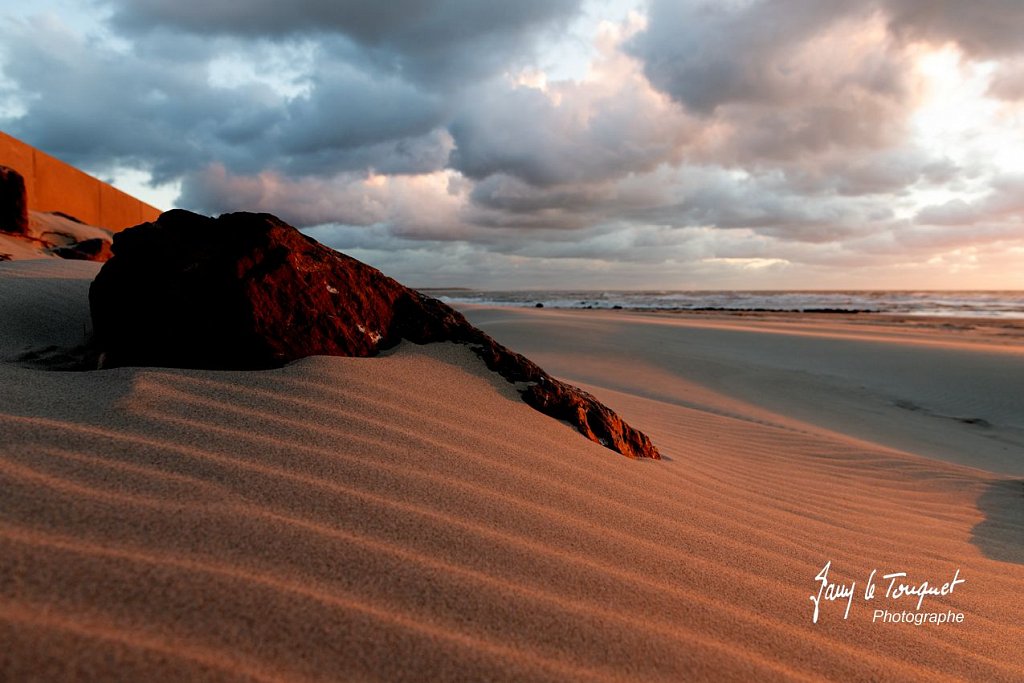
(969, 304)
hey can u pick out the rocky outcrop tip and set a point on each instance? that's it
(247, 291)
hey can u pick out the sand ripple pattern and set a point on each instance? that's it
(408, 518)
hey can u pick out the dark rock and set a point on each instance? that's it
(539, 305)
(249, 291)
(95, 249)
(13, 205)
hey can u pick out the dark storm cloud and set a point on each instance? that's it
(431, 40)
(409, 155)
(510, 197)
(158, 110)
(352, 107)
(706, 54)
(374, 90)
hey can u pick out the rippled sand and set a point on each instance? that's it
(409, 518)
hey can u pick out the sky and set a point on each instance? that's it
(616, 144)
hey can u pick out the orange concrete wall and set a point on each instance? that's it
(52, 185)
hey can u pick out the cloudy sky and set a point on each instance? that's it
(671, 144)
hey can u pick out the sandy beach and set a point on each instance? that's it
(407, 517)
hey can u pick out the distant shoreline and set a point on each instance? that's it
(975, 305)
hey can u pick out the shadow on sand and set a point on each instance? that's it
(1001, 535)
